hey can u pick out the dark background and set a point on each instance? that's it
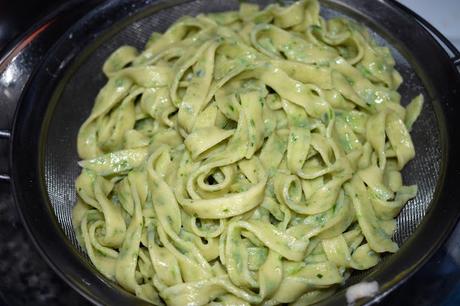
(16, 16)
(25, 279)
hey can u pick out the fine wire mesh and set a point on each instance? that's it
(76, 101)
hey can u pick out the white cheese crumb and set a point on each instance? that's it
(361, 290)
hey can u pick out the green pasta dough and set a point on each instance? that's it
(246, 157)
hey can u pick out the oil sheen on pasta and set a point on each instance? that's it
(247, 157)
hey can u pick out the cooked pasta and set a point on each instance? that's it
(247, 157)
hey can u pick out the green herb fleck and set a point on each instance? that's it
(124, 165)
(315, 27)
(381, 67)
(199, 73)
(364, 71)
(261, 101)
(119, 82)
(349, 80)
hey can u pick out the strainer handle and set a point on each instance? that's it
(4, 134)
(456, 61)
(455, 58)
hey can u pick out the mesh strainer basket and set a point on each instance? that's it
(61, 93)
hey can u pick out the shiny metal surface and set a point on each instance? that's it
(62, 193)
(25, 279)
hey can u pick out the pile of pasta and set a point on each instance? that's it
(244, 157)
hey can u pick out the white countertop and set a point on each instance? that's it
(443, 14)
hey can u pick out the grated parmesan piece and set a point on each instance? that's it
(361, 290)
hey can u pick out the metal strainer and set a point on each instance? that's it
(61, 93)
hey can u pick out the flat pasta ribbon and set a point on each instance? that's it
(250, 157)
